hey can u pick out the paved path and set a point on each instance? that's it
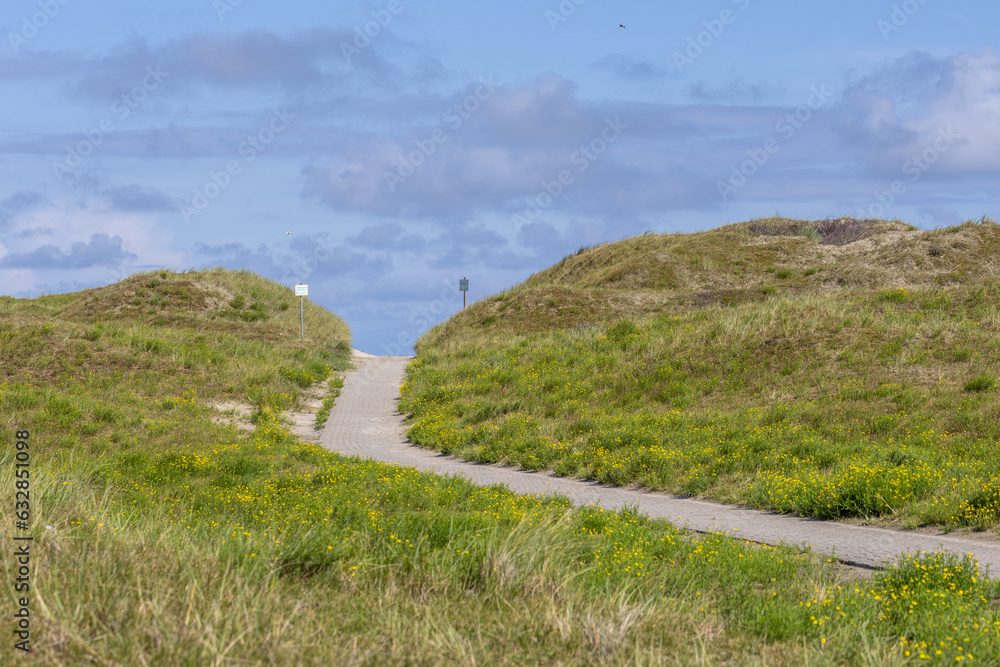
(365, 422)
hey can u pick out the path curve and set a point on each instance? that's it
(365, 422)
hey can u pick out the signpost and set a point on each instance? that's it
(463, 285)
(302, 291)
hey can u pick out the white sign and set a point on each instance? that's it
(302, 290)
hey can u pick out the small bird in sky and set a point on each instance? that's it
(620, 25)
(289, 233)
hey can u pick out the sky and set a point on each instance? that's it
(409, 144)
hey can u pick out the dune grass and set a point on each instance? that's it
(860, 405)
(164, 536)
(352, 562)
(851, 403)
(333, 391)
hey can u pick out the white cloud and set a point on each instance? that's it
(62, 225)
(904, 110)
(18, 281)
(971, 107)
(87, 244)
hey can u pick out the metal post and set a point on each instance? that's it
(302, 319)
(463, 300)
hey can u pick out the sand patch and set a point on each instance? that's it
(301, 421)
(234, 414)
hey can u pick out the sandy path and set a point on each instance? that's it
(365, 422)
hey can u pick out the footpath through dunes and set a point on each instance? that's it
(365, 422)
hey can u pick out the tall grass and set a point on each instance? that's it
(349, 562)
(833, 406)
(164, 537)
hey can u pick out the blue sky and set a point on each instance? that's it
(409, 144)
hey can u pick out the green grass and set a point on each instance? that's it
(980, 383)
(215, 556)
(805, 403)
(176, 539)
(336, 384)
(263, 549)
(851, 403)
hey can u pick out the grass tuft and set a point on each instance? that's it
(980, 383)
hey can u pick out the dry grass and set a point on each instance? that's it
(145, 322)
(210, 301)
(179, 540)
(869, 351)
(735, 264)
(841, 231)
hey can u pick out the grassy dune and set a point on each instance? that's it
(841, 369)
(164, 535)
(753, 364)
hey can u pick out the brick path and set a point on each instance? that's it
(364, 422)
